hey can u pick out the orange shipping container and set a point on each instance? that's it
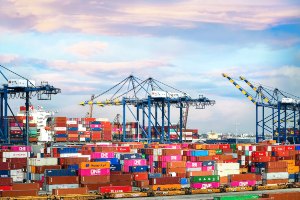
(165, 187)
(68, 191)
(277, 181)
(176, 164)
(140, 176)
(201, 173)
(223, 180)
(180, 170)
(94, 165)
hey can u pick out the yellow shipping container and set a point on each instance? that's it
(293, 169)
(165, 187)
(199, 146)
(290, 162)
(94, 165)
(211, 152)
(32, 169)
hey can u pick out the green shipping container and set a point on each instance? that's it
(219, 151)
(243, 197)
(233, 146)
(205, 179)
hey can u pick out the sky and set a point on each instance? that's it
(85, 47)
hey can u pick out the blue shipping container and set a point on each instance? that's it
(154, 175)
(60, 172)
(131, 156)
(75, 167)
(199, 153)
(111, 160)
(115, 167)
(138, 168)
(61, 135)
(184, 181)
(4, 173)
(208, 163)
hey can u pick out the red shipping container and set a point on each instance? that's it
(140, 176)
(287, 148)
(115, 189)
(278, 148)
(260, 153)
(282, 153)
(224, 146)
(123, 149)
(6, 181)
(4, 188)
(4, 166)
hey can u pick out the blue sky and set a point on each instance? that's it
(85, 47)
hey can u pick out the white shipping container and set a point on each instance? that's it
(227, 166)
(37, 177)
(18, 178)
(227, 172)
(68, 155)
(199, 169)
(60, 128)
(185, 186)
(49, 188)
(277, 175)
(16, 154)
(15, 128)
(16, 172)
(43, 161)
(71, 122)
(82, 129)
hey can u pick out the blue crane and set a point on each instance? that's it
(25, 91)
(147, 101)
(274, 109)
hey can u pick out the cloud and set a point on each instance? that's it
(87, 48)
(96, 67)
(111, 17)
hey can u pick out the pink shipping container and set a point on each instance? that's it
(95, 155)
(93, 172)
(242, 183)
(16, 124)
(95, 126)
(21, 148)
(208, 168)
(193, 164)
(171, 158)
(174, 146)
(135, 162)
(205, 185)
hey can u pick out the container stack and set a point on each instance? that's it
(205, 182)
(15, 130)
(14, 162)
(94, 174)
(60, 178)
(37, 167)
(60, 129)
(72, 130)
(242, 180)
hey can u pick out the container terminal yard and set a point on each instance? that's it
(59, 157)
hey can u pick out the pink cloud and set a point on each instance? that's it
(87, 48)
(105, 17)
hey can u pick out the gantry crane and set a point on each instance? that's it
(275, 110)
(152, 100)
(90, 113)
(43, 92)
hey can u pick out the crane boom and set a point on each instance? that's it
(240, 88)
(259, 92)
